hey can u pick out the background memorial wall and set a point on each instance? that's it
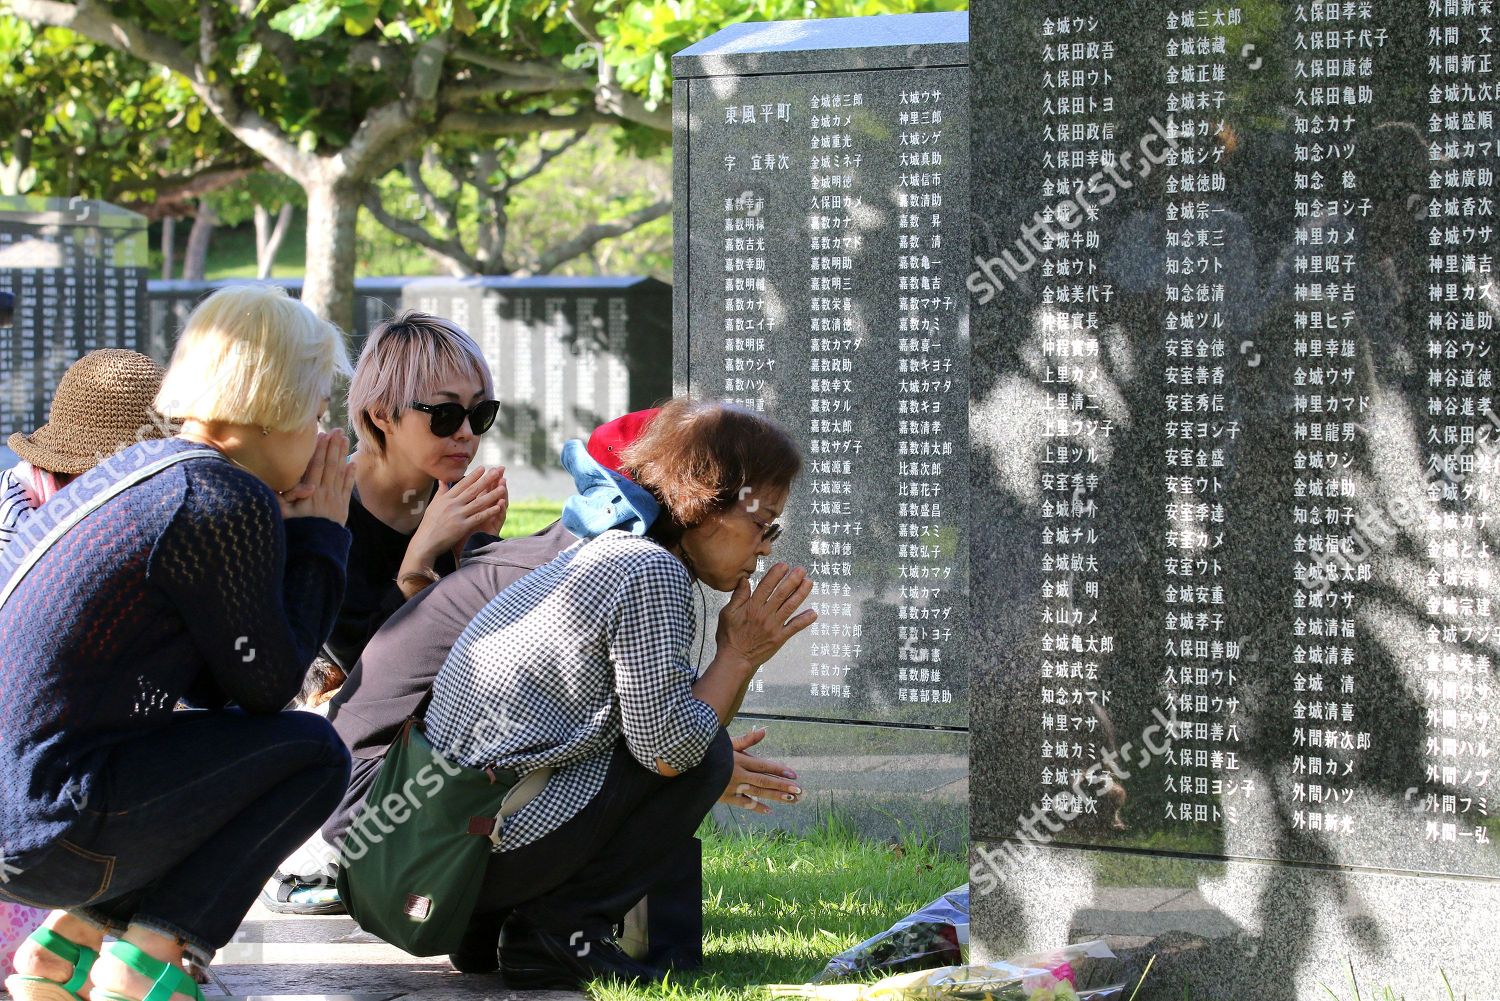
(567, 354)
(77, 269)
(1233, 481)
(820, 233)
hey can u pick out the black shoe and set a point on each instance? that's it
(531, 959)
(479, 952)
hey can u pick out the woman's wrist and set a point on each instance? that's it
(735, 662)
(421, 552)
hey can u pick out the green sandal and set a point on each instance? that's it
(24, 988)
(168, 979)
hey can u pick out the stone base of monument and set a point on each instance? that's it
(884, 782)
(1240, 928)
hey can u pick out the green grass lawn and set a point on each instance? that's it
(529, 517)
(777, 907)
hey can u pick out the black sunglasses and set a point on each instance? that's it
(770, 531)
(447, 418)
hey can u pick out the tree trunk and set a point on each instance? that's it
(13, 173)
(268, 238)
(168, 247)
(195, 258)
(328, 286)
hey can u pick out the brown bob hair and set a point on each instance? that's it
(696, 458)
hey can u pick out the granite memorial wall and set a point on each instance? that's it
(820, 228)
(77, 269)
(567, 354)
(1233, 476)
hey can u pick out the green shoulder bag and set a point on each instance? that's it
(413, 861)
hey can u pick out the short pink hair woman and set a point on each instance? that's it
(421, 398)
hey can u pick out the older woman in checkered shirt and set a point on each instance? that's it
(580, 674)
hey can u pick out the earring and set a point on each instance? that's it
(265, 431)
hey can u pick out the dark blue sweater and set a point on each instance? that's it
(186, 586)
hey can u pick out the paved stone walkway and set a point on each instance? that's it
(286, 957)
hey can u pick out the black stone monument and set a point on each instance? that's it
(567, 353)
(77, 269)
(1233, 480)
(820, 231)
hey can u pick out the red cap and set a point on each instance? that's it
(609, 440)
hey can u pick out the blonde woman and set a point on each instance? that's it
(420, 400)
(212, 581)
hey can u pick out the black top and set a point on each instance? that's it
(371, 595)
(399, 665)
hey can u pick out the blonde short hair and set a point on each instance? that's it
(404, 358)
(251, 354)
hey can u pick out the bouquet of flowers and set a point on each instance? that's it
(937, 935)
(1056, 976)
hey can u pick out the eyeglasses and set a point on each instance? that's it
(770, 531)
(447, 418)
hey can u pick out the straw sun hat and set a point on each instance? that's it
(102, 404)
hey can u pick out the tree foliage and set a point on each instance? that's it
(79, 118)
(333, 94)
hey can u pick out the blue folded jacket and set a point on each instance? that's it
(605, 499)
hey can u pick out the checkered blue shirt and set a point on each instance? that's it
(561, 664)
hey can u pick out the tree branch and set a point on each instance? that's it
(545, 157)
(582, 18)
(450, 250)
(443, 214)
(585, 240)
(268, 239)
(174, 195)
(92, 20)
(278, 44)
(20, 158)
(502, 123)
(613, 99)
(509, 67)
(609, 96)
(494, 222)
(394, 123)
(457, 94)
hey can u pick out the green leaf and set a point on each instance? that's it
(246, 58)
(194, 118)
(463, 18)
(399, 29)
(307, 19)
(307, 142)
(359, 16)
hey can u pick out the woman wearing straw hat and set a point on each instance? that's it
(102, 404)
(206, 567)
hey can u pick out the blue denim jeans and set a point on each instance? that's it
(187, 822)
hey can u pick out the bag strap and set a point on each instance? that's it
(419, 713)
(89, 507)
